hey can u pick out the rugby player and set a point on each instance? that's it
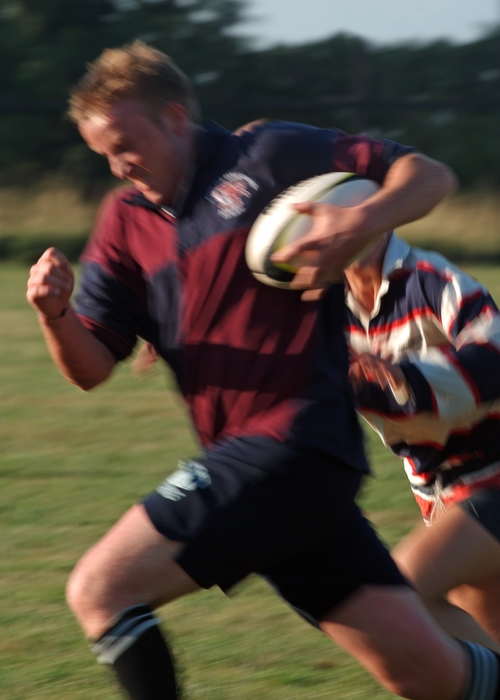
(264, 375)
(425, 362)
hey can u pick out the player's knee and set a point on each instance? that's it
(87, 596)
(404, 560)
(77, 591)
(418, 576)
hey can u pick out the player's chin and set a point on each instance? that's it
(152, 195)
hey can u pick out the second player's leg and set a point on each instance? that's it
(482, 602)
(456, 550)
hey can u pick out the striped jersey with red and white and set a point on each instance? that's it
(442, 327)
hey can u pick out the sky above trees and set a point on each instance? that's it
(382, 21)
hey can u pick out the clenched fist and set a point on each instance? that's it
(50, 284)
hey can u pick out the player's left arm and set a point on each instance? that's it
(412, 187)
(451, 379)
(456, 378)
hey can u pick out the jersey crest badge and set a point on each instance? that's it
(188, 477)
(231, 194)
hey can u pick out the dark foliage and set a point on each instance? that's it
(441, 97)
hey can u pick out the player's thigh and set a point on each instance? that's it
(482, 602)
(132, 563)
(457, 549)
(387, 629)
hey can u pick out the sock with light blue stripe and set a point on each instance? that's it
(484, 673)
(138, 653)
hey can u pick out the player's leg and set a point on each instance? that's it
(351, 586)
(112, 592)
(133, 563)
(211, 522)
(456, 550)
(482, 602)
(388, 631)
(482, 599)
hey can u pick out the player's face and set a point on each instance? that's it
(150, 152)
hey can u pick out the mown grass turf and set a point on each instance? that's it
(71, 463)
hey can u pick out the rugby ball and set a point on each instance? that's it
(279, 224)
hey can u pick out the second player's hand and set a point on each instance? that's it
(50, 284)
(370, 368)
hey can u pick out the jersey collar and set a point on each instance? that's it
(395, 255)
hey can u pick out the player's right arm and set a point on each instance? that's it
(81, 358)
(413, 185)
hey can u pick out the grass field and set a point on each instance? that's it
(464, 227)
(71, 464)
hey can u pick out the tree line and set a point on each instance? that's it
(441, 97)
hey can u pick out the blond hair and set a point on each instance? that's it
(136, 71)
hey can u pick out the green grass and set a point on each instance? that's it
(464, 227)
(71, 464)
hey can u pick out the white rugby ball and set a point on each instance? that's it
(279, 224)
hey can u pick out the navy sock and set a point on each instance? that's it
(484, 680)
(138, 653)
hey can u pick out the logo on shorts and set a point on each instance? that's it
(189, 477)
(231, 194)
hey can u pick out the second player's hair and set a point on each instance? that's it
(136, 71)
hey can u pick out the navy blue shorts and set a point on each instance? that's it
(484, 506)
(254, 505)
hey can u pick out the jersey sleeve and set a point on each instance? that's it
(297, 152)
(111, 301)
(366, 156)
(455, 378)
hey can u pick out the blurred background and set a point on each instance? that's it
(425, 73)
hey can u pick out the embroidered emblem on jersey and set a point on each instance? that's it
(230, 194)
(189, 477)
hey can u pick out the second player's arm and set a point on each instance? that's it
(451, 379)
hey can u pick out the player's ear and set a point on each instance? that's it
(175, 117)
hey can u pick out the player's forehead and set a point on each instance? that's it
(103, 129)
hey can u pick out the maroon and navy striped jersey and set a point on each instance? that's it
(249, 359)
(442, 328)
